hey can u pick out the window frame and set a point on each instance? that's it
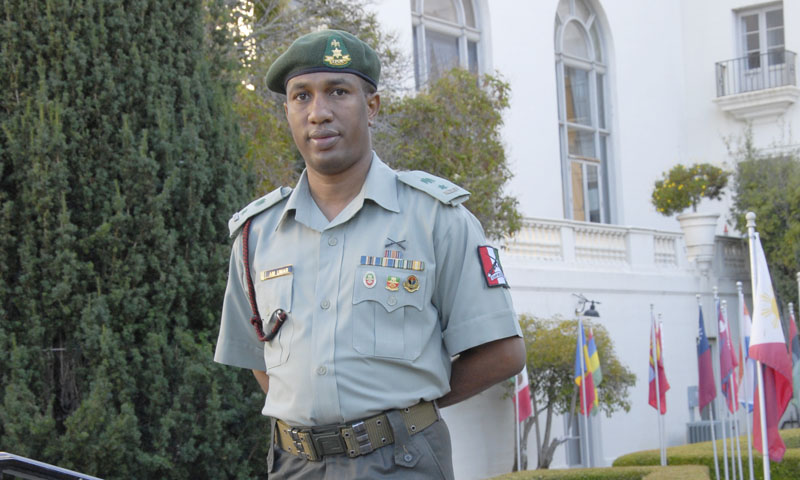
(462, 32)
(600, 128)
(763, 42)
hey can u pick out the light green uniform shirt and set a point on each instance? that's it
(361, 338)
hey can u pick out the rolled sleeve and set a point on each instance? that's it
(238, 344)
(471, 312)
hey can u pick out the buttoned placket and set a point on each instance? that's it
(326, 291)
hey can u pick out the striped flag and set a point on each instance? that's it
(768, 346)
(522, 397)
(727, 361)
(794, 347)
(747, 366)
(583, 376)
(706, 388)
(663, 384)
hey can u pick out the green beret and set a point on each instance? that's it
(324, 51)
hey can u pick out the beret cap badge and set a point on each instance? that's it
(336, 54)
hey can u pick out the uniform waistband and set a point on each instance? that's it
(352, 439)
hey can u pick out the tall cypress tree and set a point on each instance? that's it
(119, 167)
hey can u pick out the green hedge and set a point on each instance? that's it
(703, 454)
(685, 472)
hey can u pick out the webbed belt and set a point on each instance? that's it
(352, 439)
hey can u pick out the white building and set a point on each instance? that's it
(606, 95)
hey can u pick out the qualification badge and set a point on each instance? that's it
(393, 283)
(411, 284)
(369, 279)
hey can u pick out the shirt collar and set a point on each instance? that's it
(380, 186)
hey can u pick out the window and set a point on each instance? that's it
(446, 35)
(761, 36)
(581, 73)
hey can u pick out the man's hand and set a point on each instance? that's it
(263, 380)
(480, 367)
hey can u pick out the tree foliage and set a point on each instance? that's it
(769, 185)
(453, 131)
(119, 165)
(551, 345)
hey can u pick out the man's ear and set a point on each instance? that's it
(286, 110)
(373, 106)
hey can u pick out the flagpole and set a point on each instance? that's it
(654, 356)
(661, 417)
(751, 235)
(711, 414)
(733, 419)
(516, 422)
(747, 393)
(724, 416)
(582, 338)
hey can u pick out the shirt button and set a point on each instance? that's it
(408, 457)
(332, 241)
(325, 304)
(392, 300)
(322, 370)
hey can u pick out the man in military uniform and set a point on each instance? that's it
(381, 301)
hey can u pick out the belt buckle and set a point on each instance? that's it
(328, 442)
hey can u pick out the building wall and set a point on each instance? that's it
(662, 56)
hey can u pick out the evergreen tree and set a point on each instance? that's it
(119, 167)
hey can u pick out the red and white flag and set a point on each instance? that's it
(522, 396)
(768, 346)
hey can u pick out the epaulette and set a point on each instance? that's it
(257, 206)
(438, 188)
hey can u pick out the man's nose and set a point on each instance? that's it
(320, 110)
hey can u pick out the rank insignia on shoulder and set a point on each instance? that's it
(490, 264)
(439, 188)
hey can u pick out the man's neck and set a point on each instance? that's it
(332, 193)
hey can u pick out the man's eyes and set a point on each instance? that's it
(337, 92)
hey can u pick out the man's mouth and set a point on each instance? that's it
(323, 139)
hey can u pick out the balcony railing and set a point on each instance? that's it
(582, 245)
(773, 69)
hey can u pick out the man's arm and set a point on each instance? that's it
(480, 367)
(263, 380)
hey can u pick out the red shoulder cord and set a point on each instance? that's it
(278, 317)
(255, 320)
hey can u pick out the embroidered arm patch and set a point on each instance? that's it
(492, 270)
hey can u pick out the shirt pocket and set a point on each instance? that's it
(388, 323)
(271, 295)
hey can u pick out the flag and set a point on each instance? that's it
(706, 388)
(663, 384)
(747, 366)
(727, 361)
(593, 365)
(794, 347)
(586, 387)
(522, 397)
(768, 346)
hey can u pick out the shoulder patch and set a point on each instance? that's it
(257, 206)
(438, 188)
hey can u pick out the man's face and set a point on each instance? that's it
(329, 116)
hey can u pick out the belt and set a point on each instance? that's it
(353, 439)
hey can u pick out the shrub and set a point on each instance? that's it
(703, 454)
(681, 187)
